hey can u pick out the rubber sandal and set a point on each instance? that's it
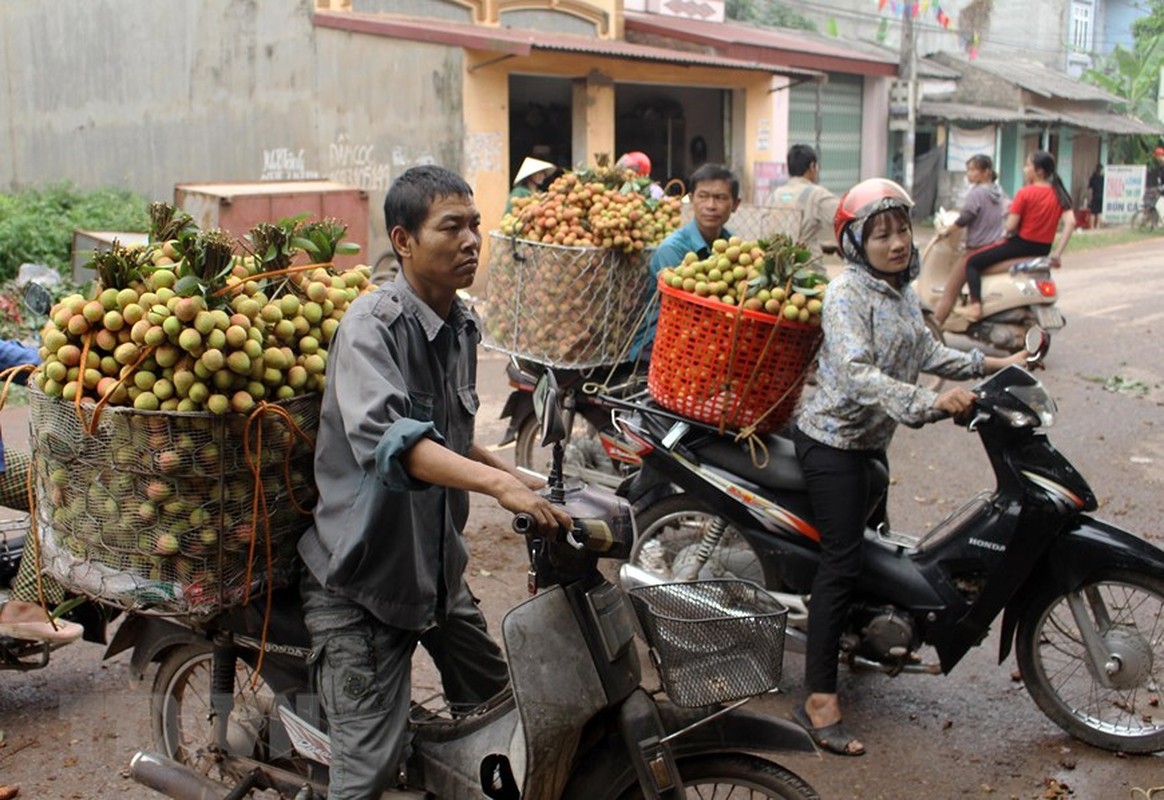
(833, 738)
(63, 633)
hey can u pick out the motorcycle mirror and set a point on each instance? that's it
(545, 403)
(37, 299)
(1037, 343)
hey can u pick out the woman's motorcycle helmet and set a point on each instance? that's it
(859, 205)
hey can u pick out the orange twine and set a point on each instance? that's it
(9, 375)
(259, 512)
(238, 287)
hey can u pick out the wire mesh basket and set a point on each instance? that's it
(566, 307)
(712, 641)
(755, 222)
(167, 512)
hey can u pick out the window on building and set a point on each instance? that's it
(1082, 12)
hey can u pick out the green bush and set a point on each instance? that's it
(36, 225)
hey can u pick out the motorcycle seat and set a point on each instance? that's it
(781, 472)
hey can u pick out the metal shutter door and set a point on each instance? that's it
(840, 138)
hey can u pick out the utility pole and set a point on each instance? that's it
(908, 71)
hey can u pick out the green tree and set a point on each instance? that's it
(1133, 75)
(768, 14)
(1151, 24)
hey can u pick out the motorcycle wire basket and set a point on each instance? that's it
(565, 307)
(712, 641)
(727, 366)
(155, 511)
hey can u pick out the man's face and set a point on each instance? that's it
(442, 257)
(713, 204)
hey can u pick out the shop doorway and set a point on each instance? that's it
(540, 120)
(678, 127)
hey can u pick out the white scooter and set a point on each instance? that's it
(1017, 294)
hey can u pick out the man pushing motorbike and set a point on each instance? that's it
(395, 460)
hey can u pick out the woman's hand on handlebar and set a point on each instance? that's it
(957, 402)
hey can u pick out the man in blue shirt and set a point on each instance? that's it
(714, 195)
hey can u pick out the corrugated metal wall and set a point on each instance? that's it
(840, 141)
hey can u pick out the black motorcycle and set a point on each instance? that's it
(1081, 600)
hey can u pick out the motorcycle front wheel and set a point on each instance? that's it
(584, 455)
(736, 777)
(1125, 610)
(183, 720)
(671, 533)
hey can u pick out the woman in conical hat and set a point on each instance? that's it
(531, 177)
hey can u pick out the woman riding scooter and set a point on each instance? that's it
(875, 344)
(982, 216)
(1031, 225)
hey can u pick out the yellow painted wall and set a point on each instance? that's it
(486, 112)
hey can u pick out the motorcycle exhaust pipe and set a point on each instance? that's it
(172, 779)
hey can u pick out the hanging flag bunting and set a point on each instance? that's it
(881, 5)
(831, 27)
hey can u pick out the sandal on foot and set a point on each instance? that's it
(63, 633)
(834, 738)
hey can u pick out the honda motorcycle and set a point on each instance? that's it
(232, 710)
(1081, 601)
(1017, 294)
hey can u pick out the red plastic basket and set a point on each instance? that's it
(725, 366)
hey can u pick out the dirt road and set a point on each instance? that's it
(69, 730)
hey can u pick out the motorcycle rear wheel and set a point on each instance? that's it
(183, 720)
(670, 532)
(1127, 609)
(736, 777)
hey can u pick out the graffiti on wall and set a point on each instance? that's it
(285, 164)
(353, 163)
(358, 165)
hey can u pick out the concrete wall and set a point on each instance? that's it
(1034, 31)
(144, 95)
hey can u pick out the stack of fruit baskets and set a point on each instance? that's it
(174, 412)
(569, 270)
(737, 333)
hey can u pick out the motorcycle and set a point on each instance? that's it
(22, 654)
(232, 709)
(593, 450)
(1080, 599)
(1017, 294)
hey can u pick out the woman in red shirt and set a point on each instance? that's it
(1031, 225)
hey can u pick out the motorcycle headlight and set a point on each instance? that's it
(1038, 408)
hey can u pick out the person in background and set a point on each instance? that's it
(22, 616)
(1031, 225)
(1156, 173)
(1095, 196)
(532, 177)
(714, 196)
(875, 345)
(640, 162)
(982, 216)
(395, 459)
(816, 206)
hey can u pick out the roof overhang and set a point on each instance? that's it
(515, 42)
(1099, 121)
(768, 45)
